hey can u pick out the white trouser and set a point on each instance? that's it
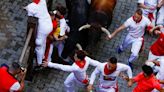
(60, 46)
(50, 52)
(71, 83)
(100, 89)
(136, 46)
(44, 28)
(40, 47)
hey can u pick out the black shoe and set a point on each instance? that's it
(118, 50)
(130, 65)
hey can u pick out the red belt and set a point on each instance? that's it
(85, 81)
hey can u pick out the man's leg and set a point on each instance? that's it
(127, 41)
(136, 46)
(50, 52)
(69, 83)
(60, 48)
(40, 47)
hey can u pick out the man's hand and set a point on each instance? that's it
(109, 37)
(22, 74)
(152, 8)
(124, 76)
(157, 32)
(130, 83)
(45, 64)
(89, 87)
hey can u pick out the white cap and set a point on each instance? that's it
(55, 11)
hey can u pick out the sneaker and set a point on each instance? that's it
(118, 50)
(130, 65)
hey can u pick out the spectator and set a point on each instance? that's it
(8, 83)
(146, 81)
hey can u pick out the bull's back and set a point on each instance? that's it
(106, 6)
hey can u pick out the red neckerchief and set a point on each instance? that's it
(151, 16)
(81, 64)
(137, 21)
(107, 71)
(36, 1)
(61, 16)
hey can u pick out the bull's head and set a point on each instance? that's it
(95, 31)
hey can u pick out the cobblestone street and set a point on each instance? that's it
(13, 22)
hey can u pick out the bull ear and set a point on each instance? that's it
(84, 27)
(79, 46)
(106, 31)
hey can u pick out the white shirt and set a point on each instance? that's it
(160, 17)
(79, 73)
(149, 3)
(113, 76)
(40, 11)
(137, 29)
(15, 87)
(63, 27)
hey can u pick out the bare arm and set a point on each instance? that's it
(156, 30)
(66, 68)
(141, 5)
(161, 3)
(118, 30)
(161, 90)
(92, 79)
(161, 81)
(130, 82)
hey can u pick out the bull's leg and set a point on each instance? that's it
(68, 5)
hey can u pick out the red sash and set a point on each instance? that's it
(36, 1)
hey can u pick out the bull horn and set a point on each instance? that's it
(84, 27)
(79, 46)
(106, 31)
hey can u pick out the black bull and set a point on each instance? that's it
(98, 14)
